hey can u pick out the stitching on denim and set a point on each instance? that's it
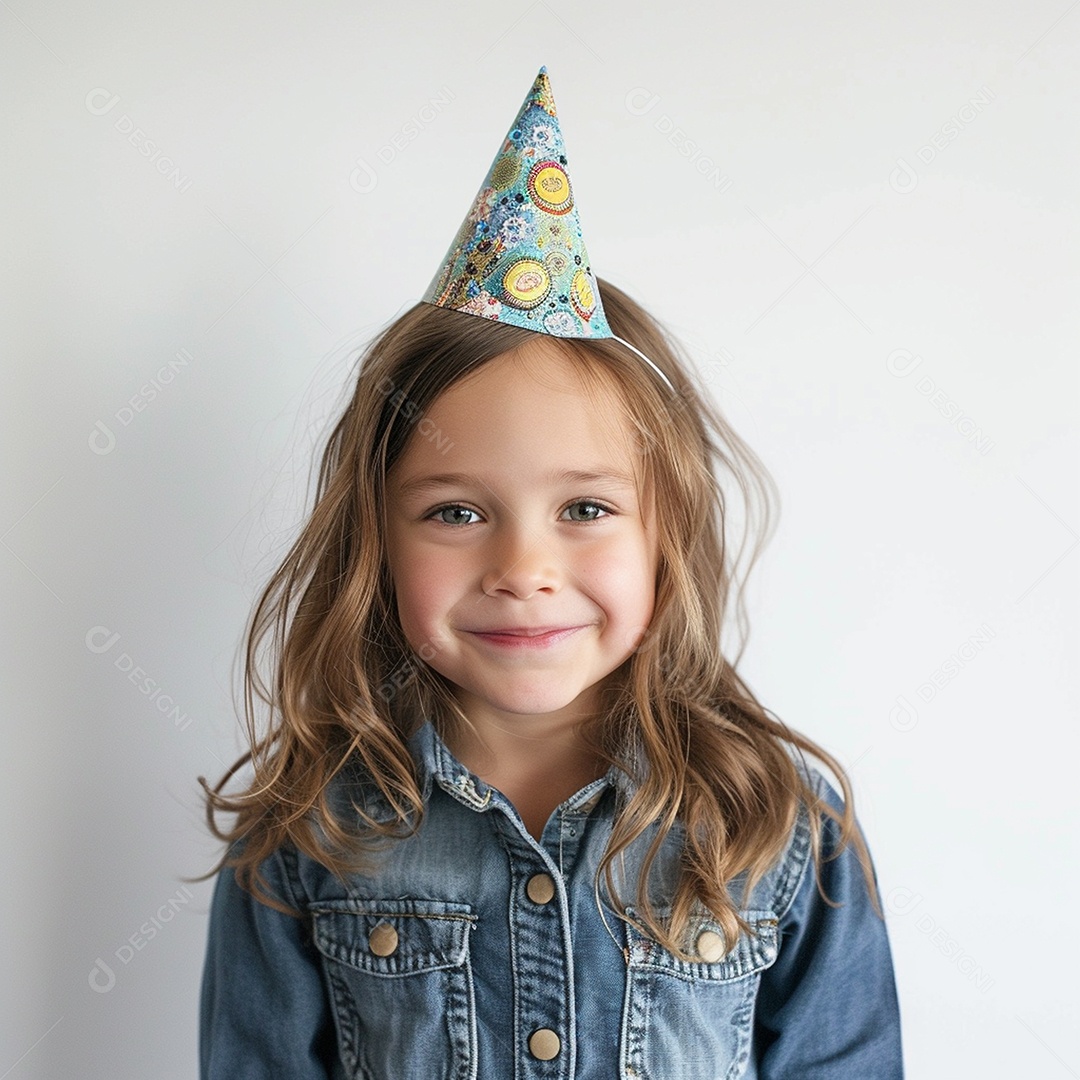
(793, 863)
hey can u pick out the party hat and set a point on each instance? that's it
(519, 256)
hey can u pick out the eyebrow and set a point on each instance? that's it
(422, 484)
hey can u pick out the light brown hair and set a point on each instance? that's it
(716, 763)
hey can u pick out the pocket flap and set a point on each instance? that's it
(752, 952)
(393, 937)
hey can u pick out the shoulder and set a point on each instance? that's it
(353, 787)
(793, 869)
(827, 1004)
(293, 872)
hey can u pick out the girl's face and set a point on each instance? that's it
(523, 562)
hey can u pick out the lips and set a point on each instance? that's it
(525, 637)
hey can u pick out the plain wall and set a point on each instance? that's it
(862, 221)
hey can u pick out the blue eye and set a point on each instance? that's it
(592, 506)
(452, 510)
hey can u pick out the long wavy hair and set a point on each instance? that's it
(346, 691)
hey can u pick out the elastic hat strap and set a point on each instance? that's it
(634, 348)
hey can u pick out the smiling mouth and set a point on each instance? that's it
(526, 637)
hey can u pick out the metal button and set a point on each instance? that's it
(544, 1044)
(383, 940)
(710, 946)
(540, 888)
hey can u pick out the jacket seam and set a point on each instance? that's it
(290, 877)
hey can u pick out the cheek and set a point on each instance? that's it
(425, 585)
(624, 578)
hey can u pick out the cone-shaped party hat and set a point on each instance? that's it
(519, 256)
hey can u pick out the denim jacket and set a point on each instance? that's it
(476, 951)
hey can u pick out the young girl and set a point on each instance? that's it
(516, 814)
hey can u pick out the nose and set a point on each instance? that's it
(521, 562)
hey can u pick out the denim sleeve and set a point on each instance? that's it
(264, 1013)
(827, 1008)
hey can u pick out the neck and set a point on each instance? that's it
(536, 766)
(522, 750)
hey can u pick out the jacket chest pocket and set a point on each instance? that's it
(401, 987)
(694, 1019)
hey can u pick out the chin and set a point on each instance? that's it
(529, 706)
(526, 702)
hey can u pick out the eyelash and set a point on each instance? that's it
(459, 506)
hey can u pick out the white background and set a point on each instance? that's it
(892, 214)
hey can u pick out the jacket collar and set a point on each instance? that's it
(437, 764)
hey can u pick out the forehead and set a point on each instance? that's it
(539, 402)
